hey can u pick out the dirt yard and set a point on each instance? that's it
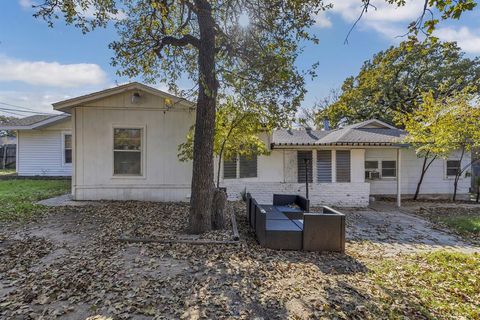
(70, 265)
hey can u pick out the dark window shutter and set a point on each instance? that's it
(248, 167)
(324, 165)
(230, 169)
(343, 165)
(301, 157)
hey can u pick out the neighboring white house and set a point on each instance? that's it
(124, 146)
(346, 166)
(43, 145)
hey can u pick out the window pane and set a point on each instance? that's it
(248, 166)
(343, 165)
(453, 166)
(230, 169)
(68, 141)
(127, 163)
(324, 165)
(388, 173)
(68, 156)
(304, 158)
(127, 139)
(389, 168)
(371, 164)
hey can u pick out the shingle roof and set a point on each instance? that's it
(372, 132)
(32, 121)
(27, 121)
(297, 136)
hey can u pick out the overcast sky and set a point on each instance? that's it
(40, 65)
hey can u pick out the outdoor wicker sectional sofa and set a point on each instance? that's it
(287, 224)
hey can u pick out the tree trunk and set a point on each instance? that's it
(478, 193)
(457, 176)
(203, 168)
(219, 204)
(424, 171)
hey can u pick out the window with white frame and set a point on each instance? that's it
(304, 166)
(230, 169)
(371, 170)
(389, 169)
(248, 166)
(127, 151)
(343, 165)
(67, 148)
(324, 166)
(452, 167)
(240, 167)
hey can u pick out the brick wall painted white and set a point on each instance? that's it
(333, 194)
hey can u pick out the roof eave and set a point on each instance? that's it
(67, 105)
(38, 125)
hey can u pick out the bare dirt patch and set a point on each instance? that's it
(69, 265)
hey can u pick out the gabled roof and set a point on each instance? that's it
(68, 104)
(372, 132)
(34, 122)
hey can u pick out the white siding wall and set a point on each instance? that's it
(40, 153)
(434, 183)
(164, 177)
(277, 173)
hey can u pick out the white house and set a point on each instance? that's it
(43, 145)
(345, 167)
(122, 144)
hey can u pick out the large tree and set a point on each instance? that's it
(238, 132)
(440, 127)
(393, 82)
(205, 41)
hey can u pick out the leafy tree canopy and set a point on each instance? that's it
(238, 132)
(444, 125)
(393, 83)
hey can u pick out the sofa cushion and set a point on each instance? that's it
(287, 209)
(282, 225)
(273, 214)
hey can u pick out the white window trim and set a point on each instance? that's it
(380, 167)
(381, 170)
(64, 163)
(237, 176)
(143, 151)
(447, 177)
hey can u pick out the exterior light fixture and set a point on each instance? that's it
(136, 98)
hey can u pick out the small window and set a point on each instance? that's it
(389, 169)
(371, 165)
(67, 148)
(127, 151)
(343, 165)
(324, 166)
(230, 169)
(248, 166)
(371, 170)
(304, 163)
(453, 167)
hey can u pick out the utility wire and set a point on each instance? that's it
(12, 113)
(15, 106)
(24, 111)
(25, 108)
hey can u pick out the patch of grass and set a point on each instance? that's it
(439, 284)
(18, 197)
(463, 224)
(4, 172)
